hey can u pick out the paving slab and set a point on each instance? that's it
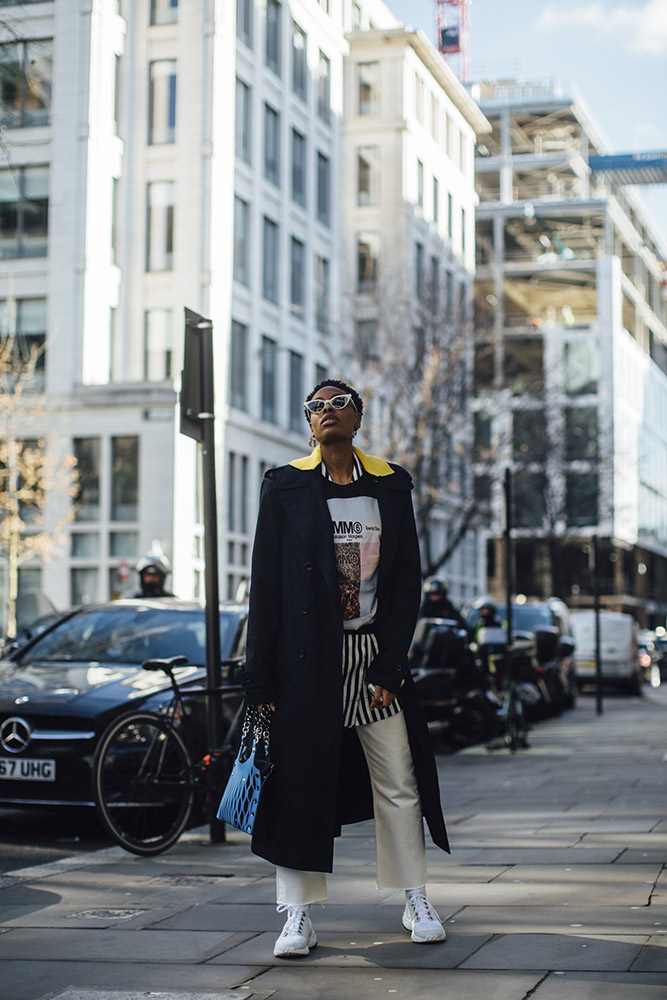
(25, 980)
(558, 951)
(398, 984)
(601, 986)
(125, 995)
(94, 945)
(578, 919)
(390, 950)
(653, 957)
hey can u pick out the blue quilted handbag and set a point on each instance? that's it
(252, 766)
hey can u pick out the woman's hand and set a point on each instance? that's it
(381, 697)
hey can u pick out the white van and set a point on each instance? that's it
(619, 650)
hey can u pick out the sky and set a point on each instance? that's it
(614, 51)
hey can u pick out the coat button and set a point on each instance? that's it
(308, 567)
(398, 668)
(305, 610)
(300, 653)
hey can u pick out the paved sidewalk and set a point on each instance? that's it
(556, 890)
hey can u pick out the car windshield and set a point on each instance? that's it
(132, 635)
(525, 617)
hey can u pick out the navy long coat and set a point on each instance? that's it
(295, 635)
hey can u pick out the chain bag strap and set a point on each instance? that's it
(252, 767)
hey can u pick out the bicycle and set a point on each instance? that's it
(149, 774)
(511, 715)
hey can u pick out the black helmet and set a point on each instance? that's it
(435, 586)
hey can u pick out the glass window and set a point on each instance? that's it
(368, 245)
(241, 241)
(162, 102)
(164, 11)
(26, 71)
(450, 216)
(482, 442)
(464, 223)
(87, 496)
(581, 432)
(356, 16)
(368, 88)
(84, 586)
(484, 366)
(298, 167)
(434, 285)
(296, 393)
(123, 543)
(366, 331)
(419, 99)
(324, 87)
(323, 189)
(24, 211)
(419, 271)
(420, 185)
(231, 491)
(436, 201)
(85, 544)
(322, 294)
(582, 366)
(160, 226)
(273, 23)
(26, 320)
(243, 133)
(124, 478)
(298, 277)
(244, 10)
(238, 369)
(269, 372)
(528, 494)
(299, 61)
(367, 175)
(529, 435)
(523, 363)
(270, 261)
(271, 145)
(158, 344)
(435, 118)
(581, 499)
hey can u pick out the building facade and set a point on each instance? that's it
(570, 358)
(409, 133)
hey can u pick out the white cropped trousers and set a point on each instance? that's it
(399, 828)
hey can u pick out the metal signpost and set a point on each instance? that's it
(197, 421)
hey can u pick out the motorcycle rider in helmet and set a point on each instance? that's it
(436, 603)
(153, 571)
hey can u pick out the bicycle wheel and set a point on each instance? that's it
(143, 783)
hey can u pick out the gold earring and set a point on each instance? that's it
(312, 441)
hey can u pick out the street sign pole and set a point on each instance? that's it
(596, 607)
(198, 422)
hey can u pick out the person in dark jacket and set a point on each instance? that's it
(153, 571)
(335, 589)
(436, 603)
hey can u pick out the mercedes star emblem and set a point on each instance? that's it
(14, 735)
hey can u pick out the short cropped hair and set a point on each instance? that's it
(338, 384)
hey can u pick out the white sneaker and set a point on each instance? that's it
(298, 936)
(421, 919)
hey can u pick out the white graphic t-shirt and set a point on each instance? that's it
(357, 531)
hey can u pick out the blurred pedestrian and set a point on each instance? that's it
(436, 603)
(153, 571)
(333, 603)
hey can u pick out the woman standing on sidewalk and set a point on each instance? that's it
(335, 591)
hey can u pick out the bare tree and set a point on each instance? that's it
(33, 470)
(413, 362)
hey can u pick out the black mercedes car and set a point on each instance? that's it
(59, 692)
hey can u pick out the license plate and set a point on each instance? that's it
(27, 769)
(585, 666)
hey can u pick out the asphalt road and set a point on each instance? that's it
(38, 836)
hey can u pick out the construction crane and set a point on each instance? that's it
(454, 34)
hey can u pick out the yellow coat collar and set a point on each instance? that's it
(375, 466)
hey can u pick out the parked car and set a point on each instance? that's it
(59, 692)
(619, 649)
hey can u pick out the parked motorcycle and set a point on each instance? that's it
(454, 694)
